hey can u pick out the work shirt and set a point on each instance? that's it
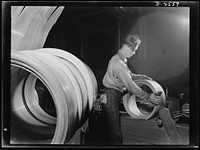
(118, 76)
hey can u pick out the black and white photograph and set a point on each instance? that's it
(100, 74)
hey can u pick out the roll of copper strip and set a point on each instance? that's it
(131, 106)
(93, 80)
(22, 89)
(64, 77)
(86, 74)
(32, 65)
(67, 81)
(91, 87)
(67, 89)
(30, 118)
(82, 100)
(32, 101)
(81, 66)
(26, 98)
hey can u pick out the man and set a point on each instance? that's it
(117, 80)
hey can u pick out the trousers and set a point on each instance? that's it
(110, 112)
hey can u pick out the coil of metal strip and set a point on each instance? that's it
(131, 106)
(59, 75)
(81, 66)
(68, 83)
(32, 65)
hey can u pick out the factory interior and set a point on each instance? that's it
(91, 35)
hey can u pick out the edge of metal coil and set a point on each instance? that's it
(130, 105)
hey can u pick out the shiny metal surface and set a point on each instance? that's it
(71, 84)
(30, 25)
(138, 111)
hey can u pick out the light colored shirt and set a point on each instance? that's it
(118, 76)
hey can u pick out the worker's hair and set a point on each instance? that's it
(131, 39)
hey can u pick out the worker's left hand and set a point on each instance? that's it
(153, 98)
(147, 102)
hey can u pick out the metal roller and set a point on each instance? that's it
(71, 85)
(142, 111)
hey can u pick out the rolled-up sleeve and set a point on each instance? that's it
(131, 86)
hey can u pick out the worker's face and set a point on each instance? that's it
(130, 51)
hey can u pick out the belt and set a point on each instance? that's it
(112, 89)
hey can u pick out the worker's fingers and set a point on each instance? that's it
(156, 100)
(147, 103)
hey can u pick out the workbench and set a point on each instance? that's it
(134, 131)
(147, 132)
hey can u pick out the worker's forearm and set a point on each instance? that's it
(144, 95)
(135, 76)
(139, 76)
(137, 91)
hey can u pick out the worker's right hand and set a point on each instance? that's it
(154, 99)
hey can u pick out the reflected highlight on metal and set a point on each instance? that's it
(142, 111)
(70, 88)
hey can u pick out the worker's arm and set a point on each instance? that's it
(132, 87)
(139, 76)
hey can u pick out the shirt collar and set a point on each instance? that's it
(122, 57)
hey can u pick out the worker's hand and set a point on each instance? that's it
(147, 102)
(154, 99)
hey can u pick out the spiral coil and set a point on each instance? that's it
(70, 82)
(137, 111)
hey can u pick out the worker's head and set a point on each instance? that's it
(130, 45)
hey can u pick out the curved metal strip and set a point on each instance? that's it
(79, 64)
(71, 84)
(130, 105)
(32, 101)
(64, 76)
(66, 80)
(31, 64)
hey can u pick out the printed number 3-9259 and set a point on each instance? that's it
(169, 4)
